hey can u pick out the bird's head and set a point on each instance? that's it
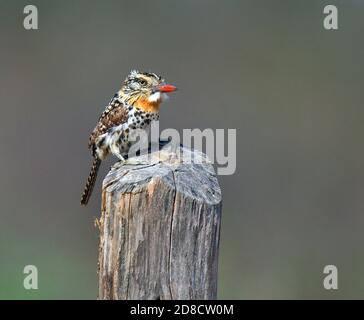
(145, 90)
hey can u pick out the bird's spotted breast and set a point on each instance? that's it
(122, 137)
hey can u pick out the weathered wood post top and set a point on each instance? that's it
(159, 228)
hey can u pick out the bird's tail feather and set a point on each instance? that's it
(90, 181)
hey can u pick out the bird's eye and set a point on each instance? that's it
(142, 82)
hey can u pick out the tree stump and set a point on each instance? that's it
(160, 227)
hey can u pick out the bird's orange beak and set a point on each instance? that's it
(166, 88)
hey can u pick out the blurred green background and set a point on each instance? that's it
(293, 91)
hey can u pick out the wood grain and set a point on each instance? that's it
(159, 228)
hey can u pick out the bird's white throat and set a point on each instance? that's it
(157, 96)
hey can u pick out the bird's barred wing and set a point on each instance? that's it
(115, 114)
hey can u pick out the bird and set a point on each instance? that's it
(134, 106)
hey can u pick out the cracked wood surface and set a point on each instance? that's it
(159, 228)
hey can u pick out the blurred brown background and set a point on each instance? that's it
(293, 91)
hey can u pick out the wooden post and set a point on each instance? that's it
(159, 228)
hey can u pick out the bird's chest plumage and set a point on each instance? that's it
(122, 137)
